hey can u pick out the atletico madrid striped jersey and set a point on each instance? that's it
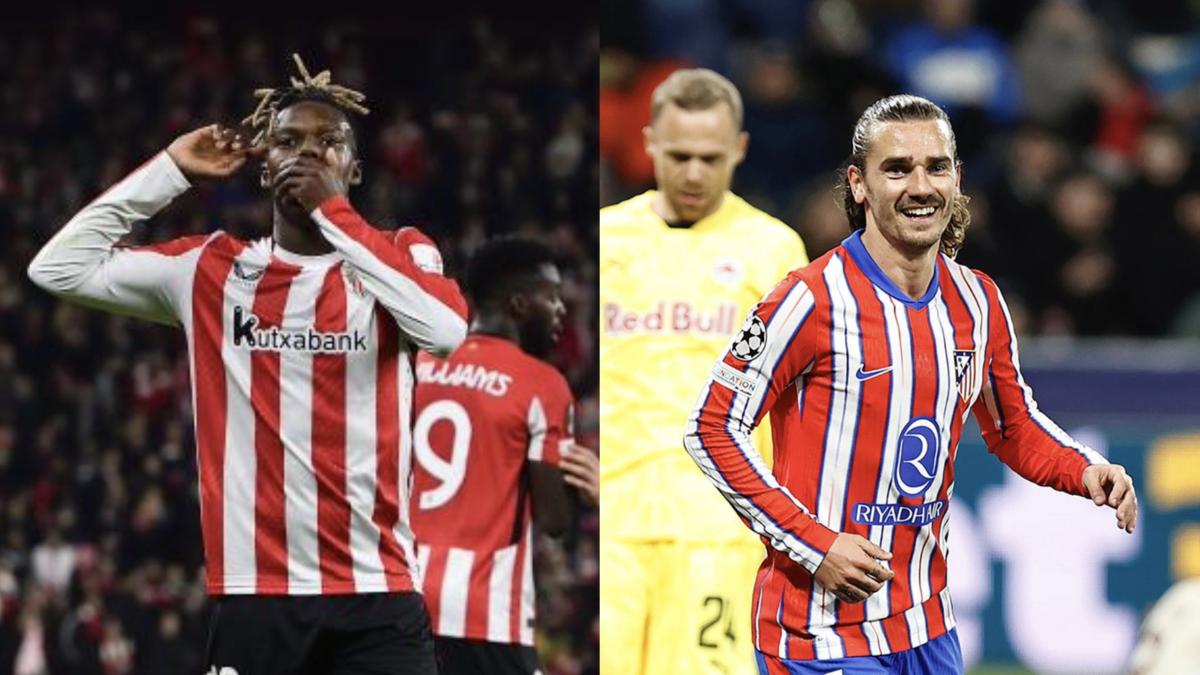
(302, 378)
(867, 391)
(483, 414)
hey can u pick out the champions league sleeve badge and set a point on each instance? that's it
(751, 340)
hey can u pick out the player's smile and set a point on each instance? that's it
(922, 215)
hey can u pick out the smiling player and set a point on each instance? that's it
(868, 362)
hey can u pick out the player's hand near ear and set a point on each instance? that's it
(213, 151)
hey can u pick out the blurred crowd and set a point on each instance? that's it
(477, 127)
(1077, 123)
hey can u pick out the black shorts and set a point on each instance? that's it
(471, 657)
(370, 634)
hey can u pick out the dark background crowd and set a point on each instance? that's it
(1077, 123)
(479, 125)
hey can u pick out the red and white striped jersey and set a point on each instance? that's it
(868, 391)
(482, 415)
(302, 379)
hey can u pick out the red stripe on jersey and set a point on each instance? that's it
(394, 252)
(795, 591)
(387, 452)
(173, 247)
(329, 442)
(433, 575)
(270, 528)
(896, 627)
(478, 594)
(208, 371)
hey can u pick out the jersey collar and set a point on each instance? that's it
(858, 252)
(300, 260)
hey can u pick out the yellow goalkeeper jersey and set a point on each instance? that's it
(670, 301)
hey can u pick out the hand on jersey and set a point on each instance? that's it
(1109, 484)
(308, 180)
(852, 569)
(212, 152)
(581, 470)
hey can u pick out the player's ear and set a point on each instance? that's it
(264, 177)
(857, 187)
(518, 305)
(743, 142)
(356, 172)
(648, 139)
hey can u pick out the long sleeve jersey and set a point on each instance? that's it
(867, 392)
(301, 373)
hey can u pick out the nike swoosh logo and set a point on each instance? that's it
(868, 374)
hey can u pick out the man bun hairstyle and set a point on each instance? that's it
(900, 108)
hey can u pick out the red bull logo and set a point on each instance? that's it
(679, 317)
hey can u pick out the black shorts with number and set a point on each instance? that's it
(471, 657)
(370, 634)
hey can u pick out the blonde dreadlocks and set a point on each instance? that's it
(304, 88)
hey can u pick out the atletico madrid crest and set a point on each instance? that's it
(964, 372)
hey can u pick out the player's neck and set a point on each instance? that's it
(910, 270)
(496, 325)
(662, 207)
(301, 238)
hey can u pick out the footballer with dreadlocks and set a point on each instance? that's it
(301, 347)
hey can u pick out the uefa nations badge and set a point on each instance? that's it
(964, 372)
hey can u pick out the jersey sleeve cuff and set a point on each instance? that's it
(172, 172)
(331, 206)
(821, 539)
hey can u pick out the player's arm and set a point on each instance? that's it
(402, 271)
(550, 422)
(551, 505)
(83, 261)
(581, 470)
(1026, 440)
(743, 386)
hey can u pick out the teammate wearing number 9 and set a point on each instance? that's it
(493, 424)
(869, 361)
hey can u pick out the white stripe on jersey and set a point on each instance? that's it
(536, 422)
(525, 630)
(452, 618)
(839, 438)
(240, 474)
(299, 478)
(404, 483)
(500, 589)
(948, 609)
(362, 471)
